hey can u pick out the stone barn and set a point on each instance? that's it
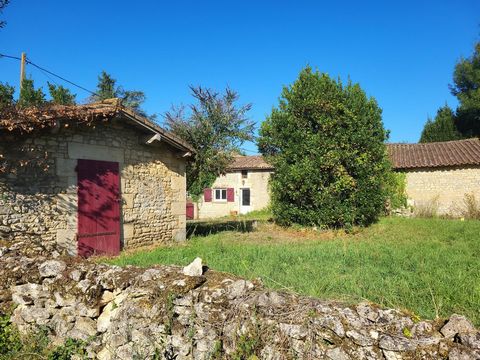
(439, 175)
(90, 179)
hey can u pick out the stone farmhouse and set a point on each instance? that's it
(90, 179)
(438, 176)
(242, 189)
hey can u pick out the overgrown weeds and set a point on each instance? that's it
(427, 209)
(35, 345)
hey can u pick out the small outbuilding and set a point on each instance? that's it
(90, 179)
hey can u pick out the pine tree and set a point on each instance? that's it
(466, 88)
(61, 95)
(107, 89)
(29, 96)
(6, 95)
(442, 128)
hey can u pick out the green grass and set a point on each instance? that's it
(428, 266)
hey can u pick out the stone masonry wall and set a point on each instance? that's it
(43, 205)
(133, 313)
(445, 187)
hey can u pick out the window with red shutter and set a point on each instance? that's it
(230, 194)
(207, 195)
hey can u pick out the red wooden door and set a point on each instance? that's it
(190, 211)
(98, 208)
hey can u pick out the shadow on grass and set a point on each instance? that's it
(205, 228)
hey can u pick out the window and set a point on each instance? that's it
(244, 174)
(220, 194)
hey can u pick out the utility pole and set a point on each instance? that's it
(22, 69)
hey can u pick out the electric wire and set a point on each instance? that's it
(49, 72)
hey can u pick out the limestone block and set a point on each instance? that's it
(95, 152)
(65, 167)
(179, 208)
(127, 201)
(66, 240)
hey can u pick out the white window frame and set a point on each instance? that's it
(220, 190)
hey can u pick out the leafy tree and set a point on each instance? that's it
(61, 95)
(6, 95)
(107, 88)
(466, 88)
(442, 128)
(29, 96)
(327, 143)
(216, 127)
(3, 5)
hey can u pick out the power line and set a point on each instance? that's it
(49, 72)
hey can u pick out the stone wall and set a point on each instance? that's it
(131, 313)
(443, 187)
(257, 181)
(42, 205)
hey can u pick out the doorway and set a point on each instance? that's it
(244, 200)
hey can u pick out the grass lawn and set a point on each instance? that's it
(428, 266)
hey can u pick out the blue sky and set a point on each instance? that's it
(401, 52)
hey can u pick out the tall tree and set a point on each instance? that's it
(6, 95)
(3, 4)
(216, 127)
(466, 87)
(442, 128)
(326, 142)
(61, 95)
(107, 88)
(29, 96)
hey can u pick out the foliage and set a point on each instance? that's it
(395, 185)
(107, 88)
(216, 127)
(466, 88)
(3, 4)
(10, 341)
(29, 96)
(6, 95)
(14, 346)
(326, 143)
(61, 95)
(398, 262)
(442, 128)
(70, 348)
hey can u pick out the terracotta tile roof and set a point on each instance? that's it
(28, 120)
(438, 154)
(249, 163)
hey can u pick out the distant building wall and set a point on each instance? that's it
(256, 181)
(444, 186)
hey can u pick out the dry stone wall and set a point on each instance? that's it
(37, 204)
(191, 313)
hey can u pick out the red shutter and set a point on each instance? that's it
(230, 194)
(207, 195)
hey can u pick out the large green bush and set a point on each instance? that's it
(327, 143)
